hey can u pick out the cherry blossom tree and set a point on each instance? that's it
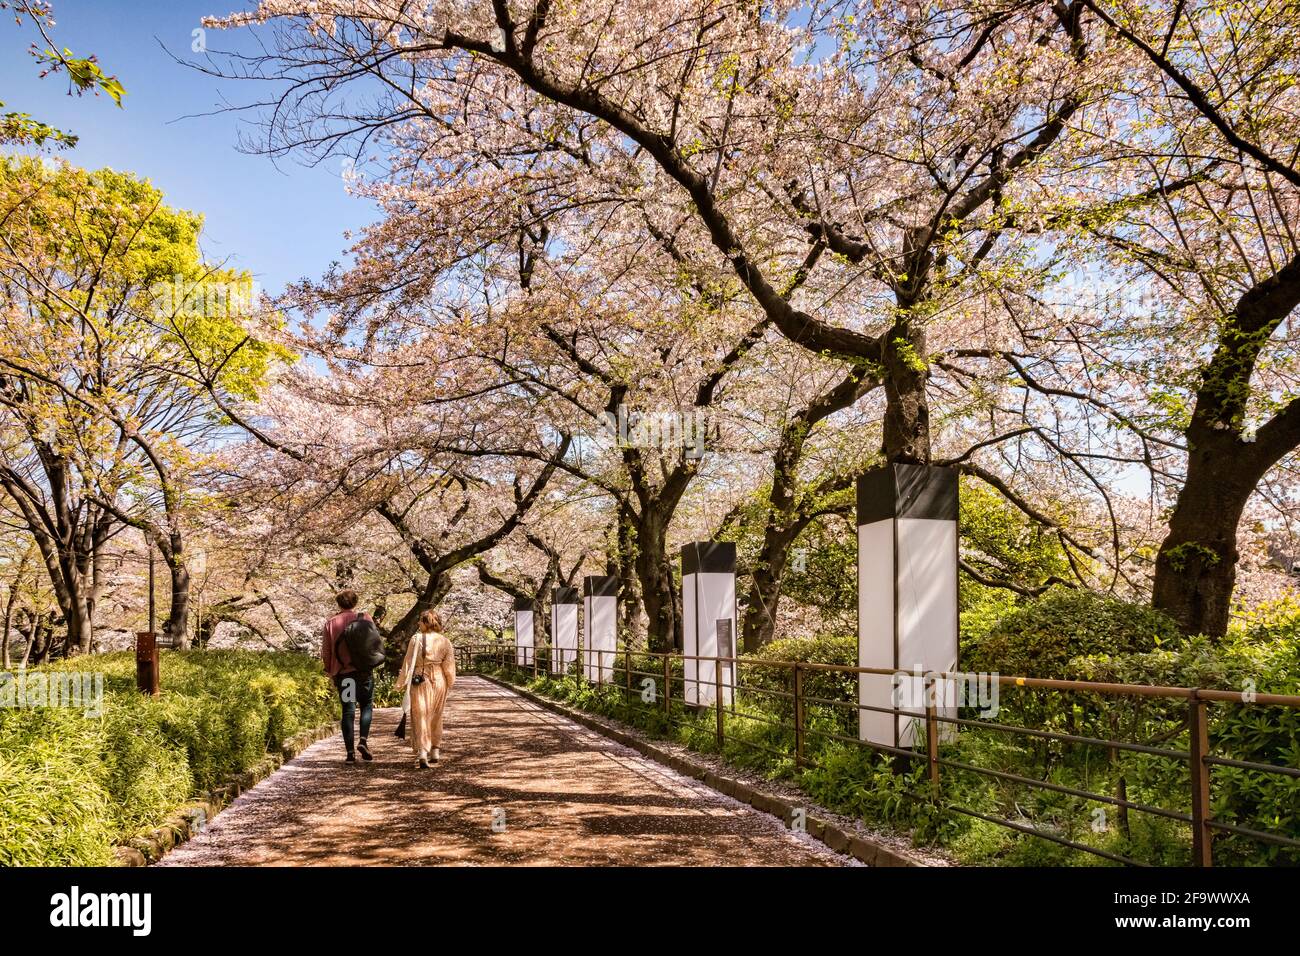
(1211, 130)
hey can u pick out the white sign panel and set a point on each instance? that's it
(599, 628)
(564, 629)
(907, 598)
(708, 621)
(524, 640)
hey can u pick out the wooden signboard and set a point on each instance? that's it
(146, 662)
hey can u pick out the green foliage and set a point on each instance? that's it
(858, 782)
(906, 351)
(828, 580)
(55, 805)
(1041, 638)
(147, 775)
(1262, 657)
(980, 608)
(387, 693)
(22, 129)
(85, 73)
(1050, 637)
(1064, 634)
(136, 267)
(1002, 544)
(71, 786)
(772, 684)
(999, 539)
(1180, 555)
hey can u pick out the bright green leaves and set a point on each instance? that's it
(1001, 540)
(116, 324)
(909, 355)
(20, 129)
(84, 72)
(1181, 555)
(84, 75)
(206, 320)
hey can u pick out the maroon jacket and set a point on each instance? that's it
(340, 663)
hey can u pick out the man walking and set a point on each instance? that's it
(355, 686)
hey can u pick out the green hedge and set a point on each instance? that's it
(772, 684)
(1041, 638)
(72, 785)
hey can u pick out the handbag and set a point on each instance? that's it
(416, 677)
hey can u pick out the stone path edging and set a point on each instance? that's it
(835, 838)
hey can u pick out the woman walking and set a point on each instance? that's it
(428, 673)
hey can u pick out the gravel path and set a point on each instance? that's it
(517, 784)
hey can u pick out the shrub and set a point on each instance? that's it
(855, 780)
(55, 807)
(71, 786)
(147, 774)
(1041, 638)
(772, 684)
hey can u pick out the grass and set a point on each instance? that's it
(73, 785)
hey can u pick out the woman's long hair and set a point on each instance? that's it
(431, 622)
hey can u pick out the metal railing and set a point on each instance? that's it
(929, 750)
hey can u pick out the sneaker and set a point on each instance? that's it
(365, 751)
(424, 764)
(351, 758)
(436, 756)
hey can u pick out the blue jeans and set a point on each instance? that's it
(356, 689)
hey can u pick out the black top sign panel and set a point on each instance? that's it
(907, 491)
(709, 557)
(597, 585)
(523, 604)
(564, 595)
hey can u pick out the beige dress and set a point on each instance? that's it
(430, 655)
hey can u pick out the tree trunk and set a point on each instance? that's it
(400, 634)
(38, 645)
(204, 624)
(907, 408)
(1196, 568)
(4, 640)
(178, 616)
(67, 584)
(654, 572)
(624, 566)
(1197, 564)
(81, 629)
(759, 624)
(29, 636)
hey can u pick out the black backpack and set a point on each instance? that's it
(364, 642)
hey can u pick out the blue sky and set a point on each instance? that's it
(279, 223)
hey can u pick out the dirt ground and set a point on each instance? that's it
(517, 785)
